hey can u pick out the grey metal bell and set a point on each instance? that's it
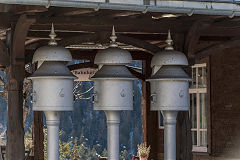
(113, 88)
(169, 92)
(113, 83)
(169, 82)
(169, 89)
(113, 55)
(52, 87)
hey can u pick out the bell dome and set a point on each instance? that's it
(113, 55)
(169, 56)
(52, 52)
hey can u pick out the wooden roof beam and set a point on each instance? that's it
(193, 36)
(216, 48)
(138, 43)
(121, 38)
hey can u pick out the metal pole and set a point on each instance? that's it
(170, 120)
(222, 7)
(113, 122)
(52, 121)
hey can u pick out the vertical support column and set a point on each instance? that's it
(170, 120)
(38, 136)
(184, 135)
(146, 69)
(16, 74)
(149, 118)
(113, 122)
(53, 122)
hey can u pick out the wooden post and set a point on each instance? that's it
(145, 99)
(149, 118)
(16, 74)
(184, 136)
(38, 135)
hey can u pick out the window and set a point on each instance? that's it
(198, 107)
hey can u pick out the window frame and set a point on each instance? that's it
(207, 149)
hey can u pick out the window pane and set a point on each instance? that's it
(203, 110)
(193, 105)
(202, 77)
(203, 139)
(204, 80)
(198, 106)
(194, 78)
(194, 138)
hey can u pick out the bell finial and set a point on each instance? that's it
(113, 38)
(169, 42)
(52, 36)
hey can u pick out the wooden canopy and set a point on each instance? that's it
(23, 29)
(84, 30)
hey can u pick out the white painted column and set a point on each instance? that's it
(170, 120)
(53, 122)
(113, 122)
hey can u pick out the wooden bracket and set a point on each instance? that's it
(217, 47)
(193, 36)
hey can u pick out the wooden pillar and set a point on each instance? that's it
(184, 137)
(149, 118)
(145, 99)
(16, 74)
(38, 135)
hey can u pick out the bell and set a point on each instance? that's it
(52, 87)
(113, 88)
(169, 89)
(169, 92)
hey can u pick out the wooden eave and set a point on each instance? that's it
(146, 31)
